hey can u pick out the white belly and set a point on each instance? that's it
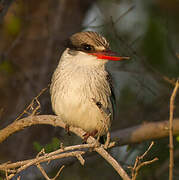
(81, 112)
(72, 97)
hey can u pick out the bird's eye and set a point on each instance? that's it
(87, 47)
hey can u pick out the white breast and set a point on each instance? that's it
(76, 83)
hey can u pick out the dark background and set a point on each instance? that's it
(32, 35)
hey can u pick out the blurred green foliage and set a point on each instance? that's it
(52, 146)
(13, 25)
(177, 138)
(154, 43)
(6, 67)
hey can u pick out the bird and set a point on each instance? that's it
(82, 90)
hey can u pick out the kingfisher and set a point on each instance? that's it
(82, 89)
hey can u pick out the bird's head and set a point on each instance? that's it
(93, 44)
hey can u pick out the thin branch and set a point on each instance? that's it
(43, 158)
(144, 164)
(81, 159)
(45, 174)
(58, 173)
(138, 164)
(113, 163)
(145, 153)
(34, 106)
(107, 140)
(172, 99)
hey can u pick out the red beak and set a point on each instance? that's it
(109, 55)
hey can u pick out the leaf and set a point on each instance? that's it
(13, 25)
(37, 146)
(52, 146)
(177, 138)
(6, 66)
(55, 143)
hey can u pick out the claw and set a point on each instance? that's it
(86, 135)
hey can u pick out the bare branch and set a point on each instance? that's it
(172, 99)
(144, 164)
(145, 153)
(107, 140)
(128, 136)
(138, 164)
(34, 106)
(43, 158)
(132, 135)
(58, 173)
(55, 121)
(147, 131)
(80, 158)
(45, 174)
(113, 162)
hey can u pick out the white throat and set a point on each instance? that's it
(81, 59)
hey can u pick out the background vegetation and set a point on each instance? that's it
(32, 35)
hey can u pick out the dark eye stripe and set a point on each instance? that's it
(87, 42)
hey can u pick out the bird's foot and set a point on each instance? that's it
(67, 129)
(86, 135)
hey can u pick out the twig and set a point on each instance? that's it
(107, 140)
(80, 158)
(43, 171)
(100, 150)
(172, 99)
(44, 159)
(45, 174)
(143, 164)
(145, 153)
(113, 163)
(34, 106)
(109, 23)
(138, 164)
(58, 173)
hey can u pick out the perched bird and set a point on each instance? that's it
(81, 88)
